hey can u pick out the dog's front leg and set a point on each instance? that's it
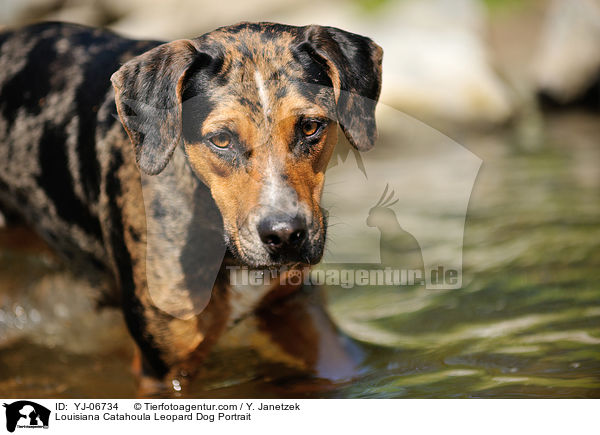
(300, 325)
(165, 241)
(171, 350)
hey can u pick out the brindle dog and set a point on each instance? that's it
(231, 132)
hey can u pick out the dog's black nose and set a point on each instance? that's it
(282, 233)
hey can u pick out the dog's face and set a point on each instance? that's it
(256, 107)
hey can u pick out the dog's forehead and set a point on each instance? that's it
(253, 36)
(249, 49)
(260, 71)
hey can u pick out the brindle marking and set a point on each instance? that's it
(67, 167)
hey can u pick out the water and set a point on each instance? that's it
(526, 322)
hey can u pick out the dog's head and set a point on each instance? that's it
(256, 109)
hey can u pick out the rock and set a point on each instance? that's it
(435, 64)
(568, 63)
(87, 14)
(172, 19)
(15, 12)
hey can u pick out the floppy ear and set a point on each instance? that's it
(354, 67)
(148, 96)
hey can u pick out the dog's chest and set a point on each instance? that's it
(245, 298)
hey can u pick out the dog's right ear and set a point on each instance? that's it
(148, 97)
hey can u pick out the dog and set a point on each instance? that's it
(204, 154)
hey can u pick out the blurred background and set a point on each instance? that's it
(514, 82)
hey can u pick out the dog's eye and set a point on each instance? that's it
(221, 140)
(310, 127)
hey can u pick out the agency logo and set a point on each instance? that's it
(25, 414)
(395, 215)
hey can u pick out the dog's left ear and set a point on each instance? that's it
(148, 96)
(354, 67)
